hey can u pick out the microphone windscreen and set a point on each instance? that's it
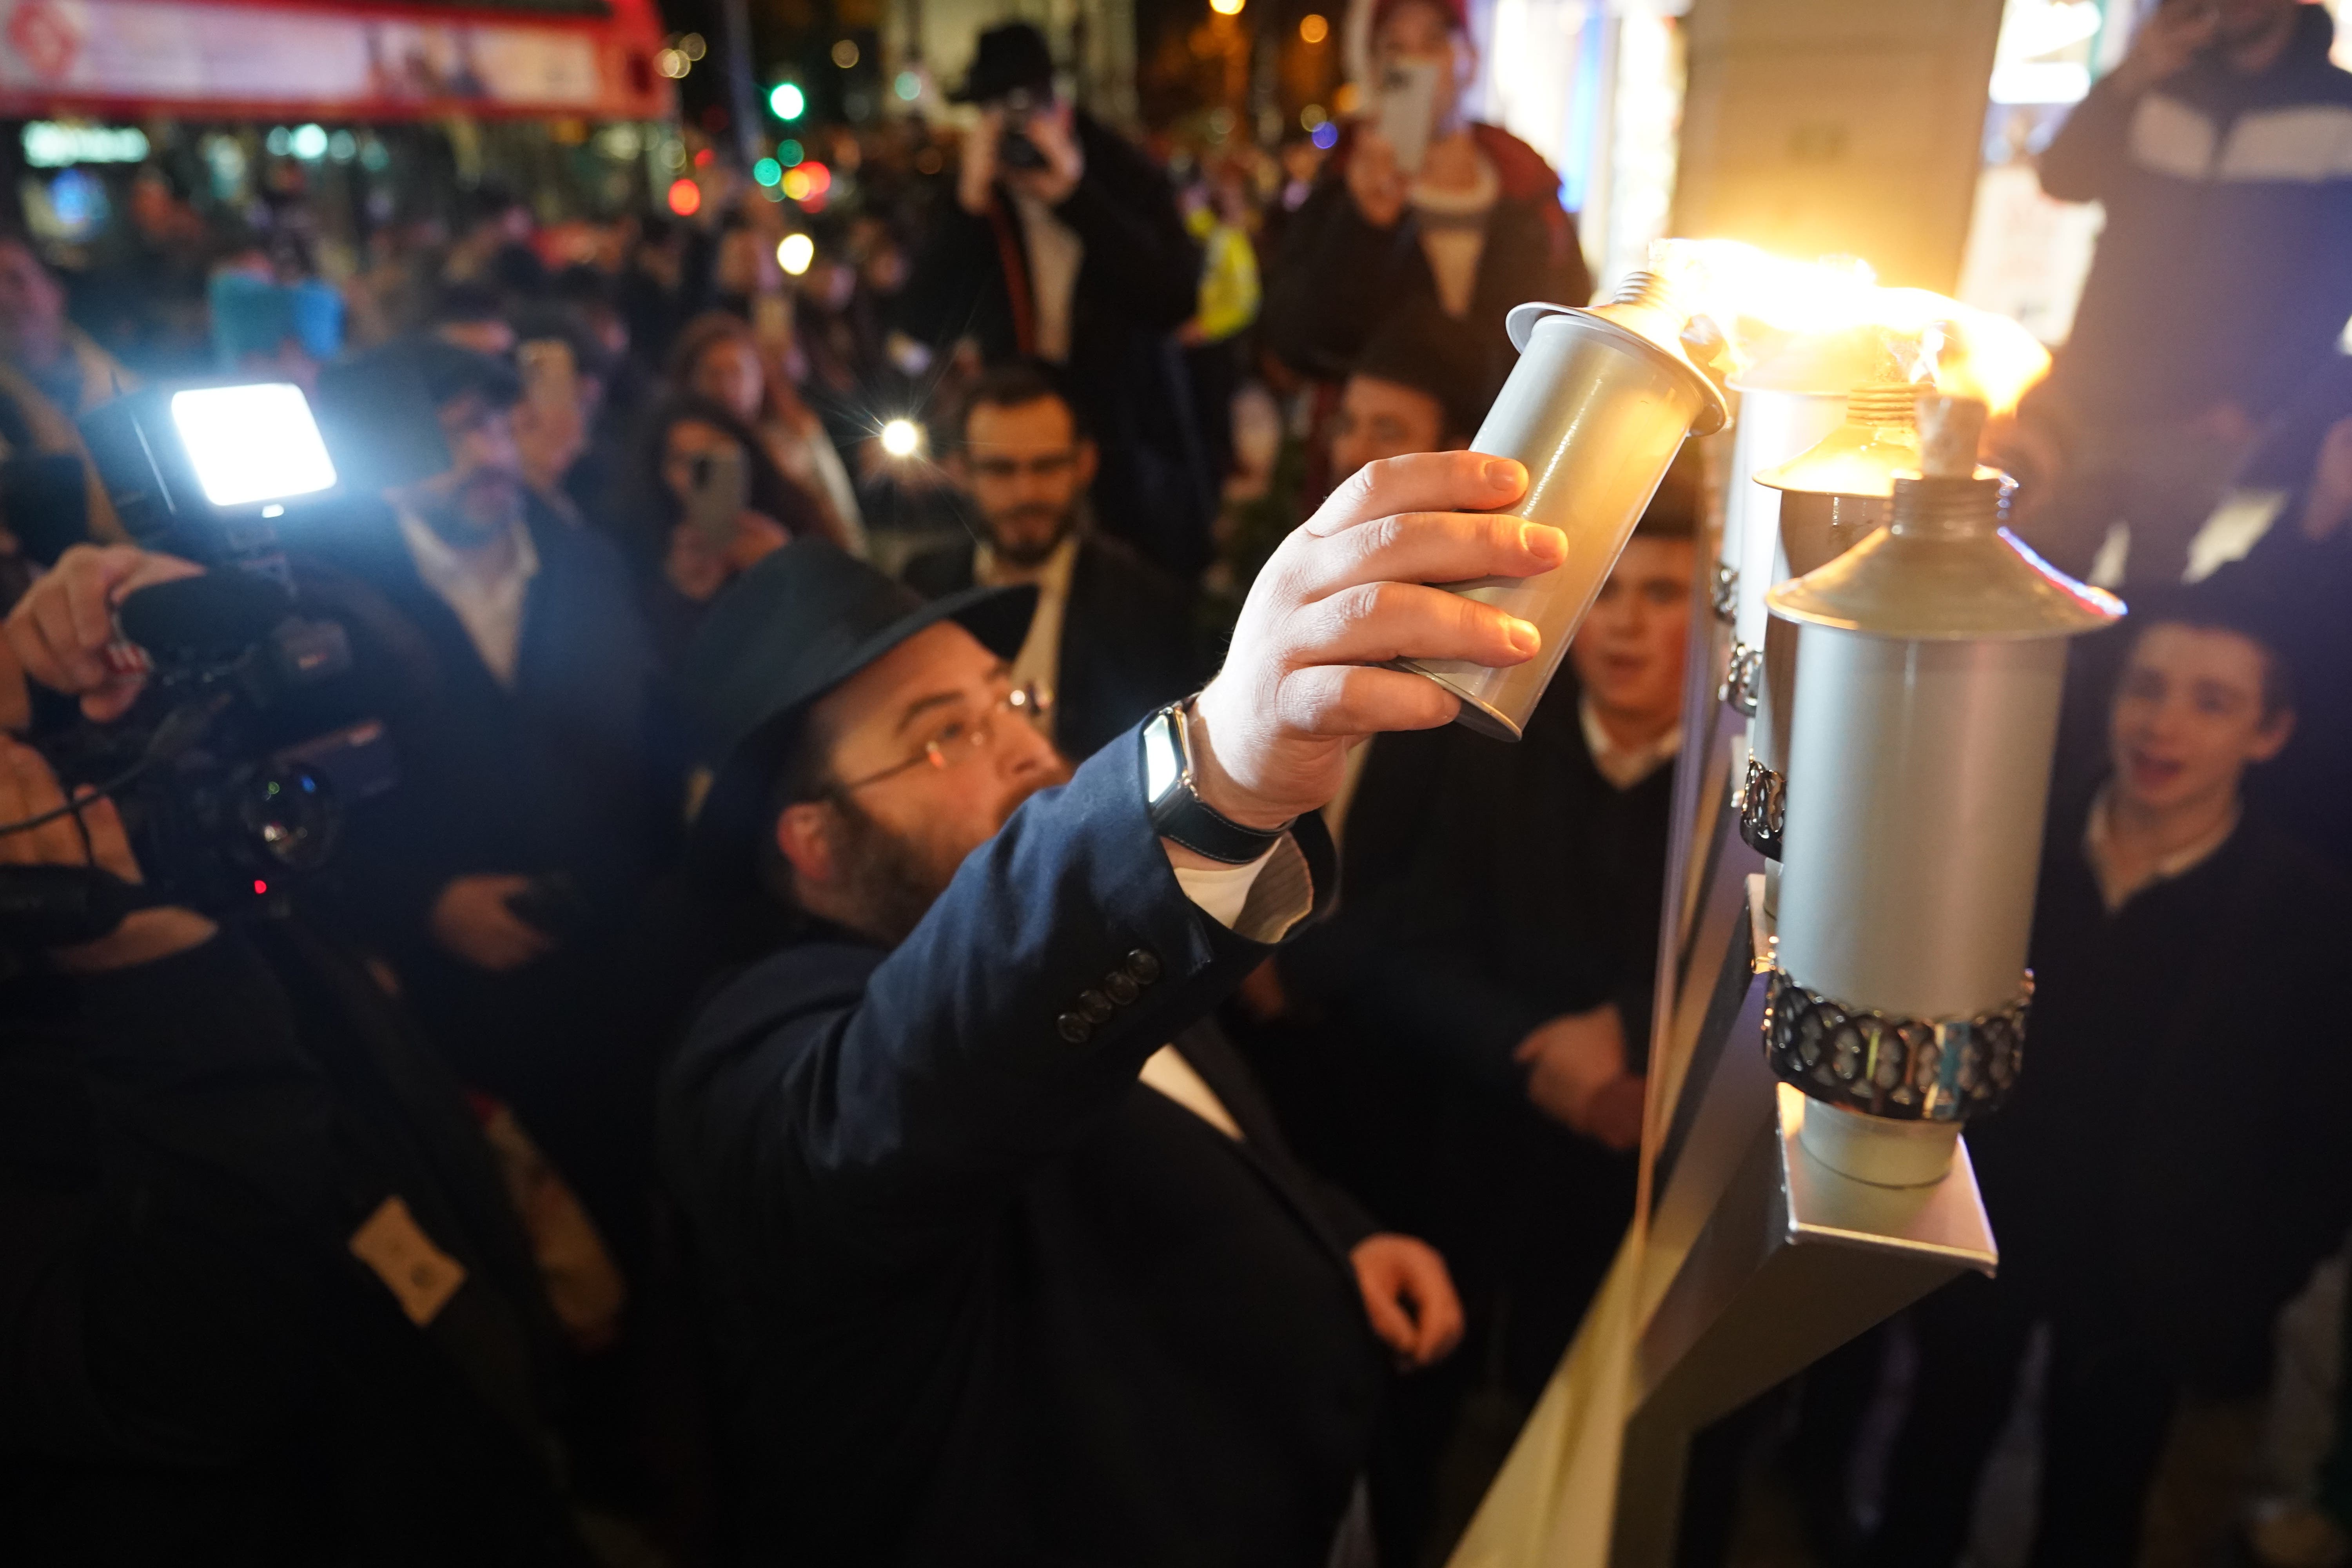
(216, 615)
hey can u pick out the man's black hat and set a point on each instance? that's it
(780, 637)
(1010, 59)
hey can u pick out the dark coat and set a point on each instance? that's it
(1337, 278)
(2224, 272)
(1139, 281)
(978, 1296)
(1492, 887)
(2170, 1164)
(1129, 642)
(567, 773)
(197, 1368)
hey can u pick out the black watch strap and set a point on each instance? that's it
(1178, 812)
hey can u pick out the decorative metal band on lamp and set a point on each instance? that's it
(1743, 675)
(1763, 808)
(1908, 1070)
(1596, 408)
(1918, 770)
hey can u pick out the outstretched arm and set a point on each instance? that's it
(907, 1104)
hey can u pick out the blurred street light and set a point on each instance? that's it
(787, 101)
(794, 253)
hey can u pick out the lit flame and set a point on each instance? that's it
(1762, 303)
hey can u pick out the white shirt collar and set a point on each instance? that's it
(488, 602)
(2098, 848)
(1623, 766)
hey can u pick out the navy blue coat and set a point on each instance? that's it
(978, 1296)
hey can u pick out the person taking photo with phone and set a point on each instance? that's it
(1420, 204)
(1064, 245)
(706, 503)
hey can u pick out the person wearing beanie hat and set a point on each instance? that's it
(1463, 216)
(1004, 1260)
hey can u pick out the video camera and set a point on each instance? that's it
(234, 772)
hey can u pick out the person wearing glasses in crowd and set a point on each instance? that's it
(1002, 1258)
(1114, 636)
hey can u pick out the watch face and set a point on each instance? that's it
(1161, 765)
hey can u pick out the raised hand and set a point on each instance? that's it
(1346, 593)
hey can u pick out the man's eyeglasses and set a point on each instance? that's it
(1044, 468)
(958, 739)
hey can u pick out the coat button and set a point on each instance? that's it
(1120, 988)
(1143, 965)
(1095, 1005)
(1074, 1028)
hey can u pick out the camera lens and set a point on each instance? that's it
(290, 818)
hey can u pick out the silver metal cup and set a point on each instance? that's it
(1596, 408)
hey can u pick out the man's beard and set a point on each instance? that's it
(479, 509)
(1028, 549)
(892, 879)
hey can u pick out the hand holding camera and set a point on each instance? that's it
(1027, 142)
(61, 629)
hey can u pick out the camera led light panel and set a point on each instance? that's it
(255, 442)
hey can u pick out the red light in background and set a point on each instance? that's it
(820, 178)
(685, 197)
(260, 888)
(702, 159)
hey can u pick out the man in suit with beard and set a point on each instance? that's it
(1004, 1259)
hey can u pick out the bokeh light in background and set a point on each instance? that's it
(788, 153)
(845, 53)
(1226, 7)
(767, 171)
(908, 87)
(685, 197)
(901, 437)
(808, 182)
(1313, 28)
(794, 253)
(787, 101)
(1326, 135)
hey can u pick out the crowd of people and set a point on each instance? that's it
(927, 999)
